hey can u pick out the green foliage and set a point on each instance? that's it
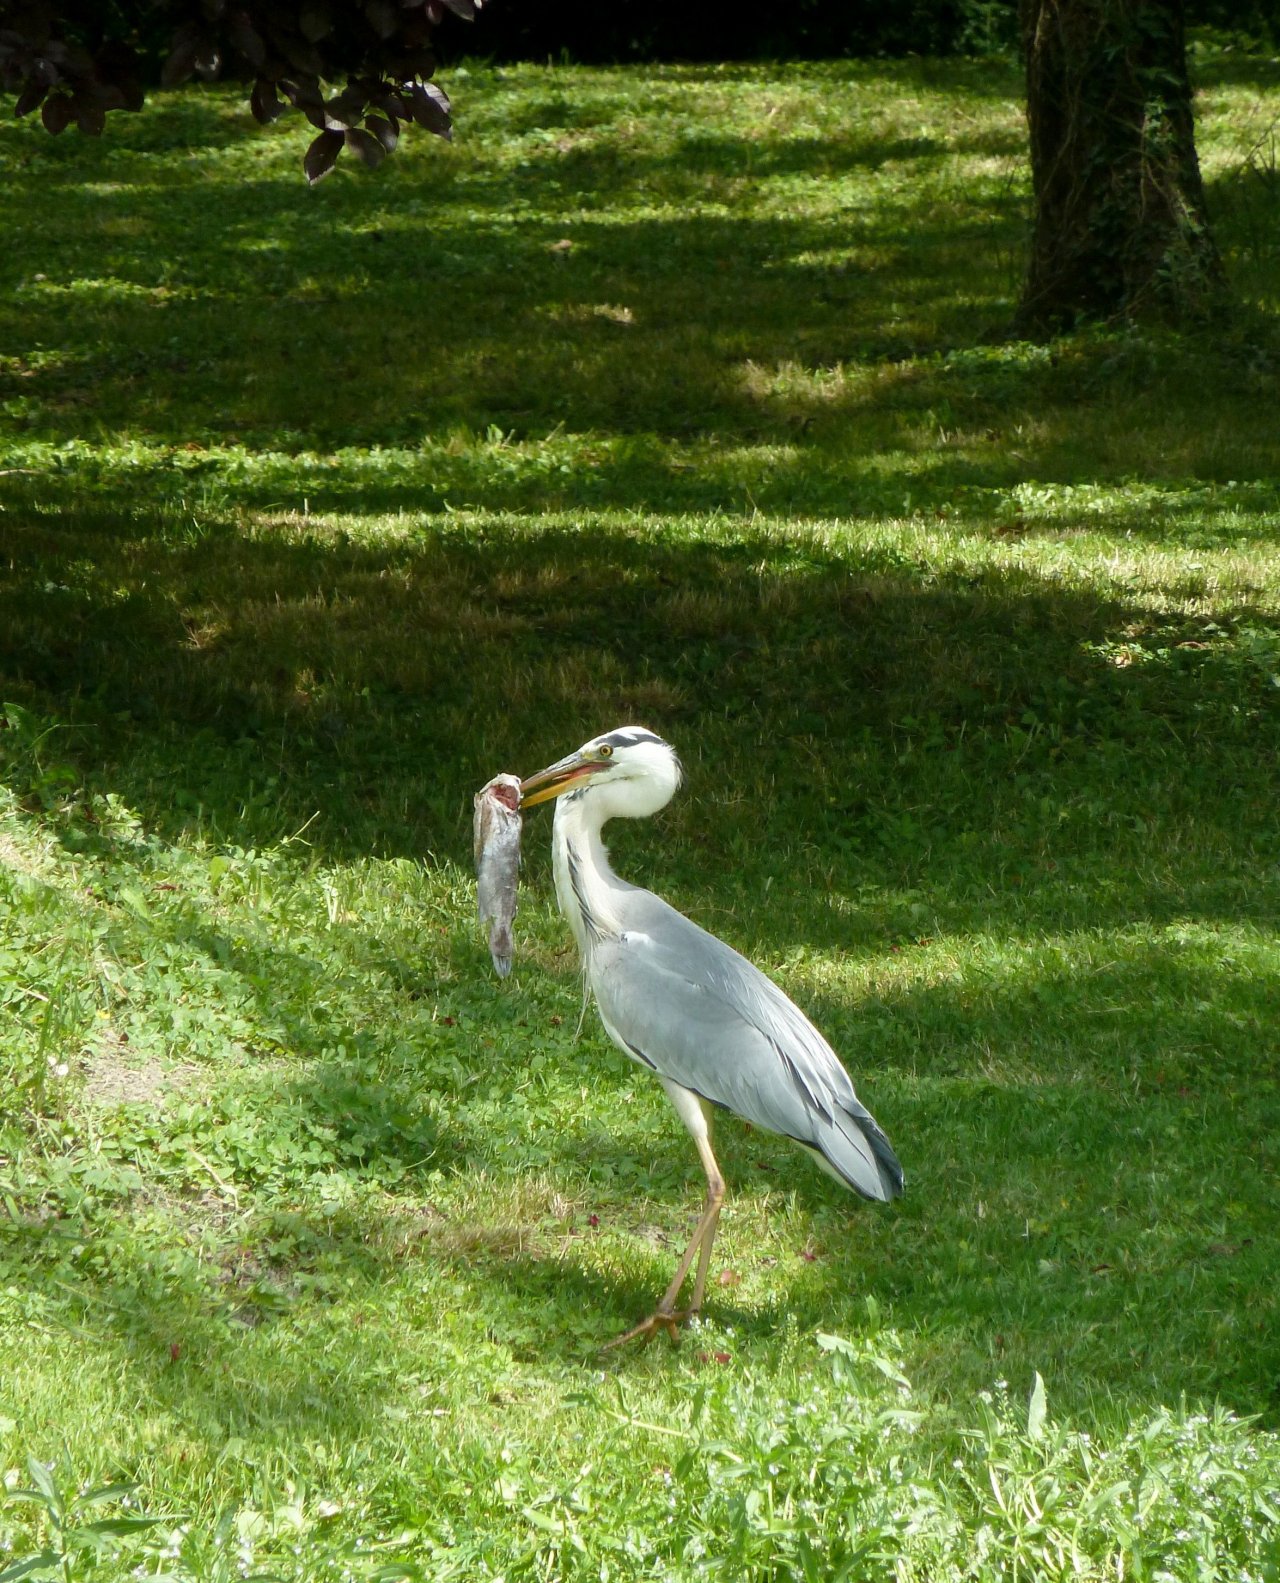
(70, 1533)
(310, 1229)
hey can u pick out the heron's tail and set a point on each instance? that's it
(854, 1149)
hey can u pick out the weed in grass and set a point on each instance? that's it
(68, 1530)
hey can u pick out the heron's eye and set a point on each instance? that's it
(605, 750)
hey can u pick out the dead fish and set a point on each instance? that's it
(497, 851)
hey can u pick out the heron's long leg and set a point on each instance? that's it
(692, 1112)
(700, 1243)
(715, 1197)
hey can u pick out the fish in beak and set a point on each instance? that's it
(557, 778)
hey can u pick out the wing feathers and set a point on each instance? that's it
(698, 1013)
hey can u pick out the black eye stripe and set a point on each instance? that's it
(629, 736)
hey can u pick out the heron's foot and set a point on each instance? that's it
(644, 1332)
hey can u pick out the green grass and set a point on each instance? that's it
(310, 1229)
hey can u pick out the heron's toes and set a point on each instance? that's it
(645, 1331)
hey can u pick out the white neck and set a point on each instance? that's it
(586, 886)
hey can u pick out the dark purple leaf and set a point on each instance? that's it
(117, 64)
(345, 109)
(383, 16)
(319, 158)
(57, 113)
(386, 132)
(409, 64)
(305, 96)
(120, 87)
(303, 57)
(264, 102)
(364, 144)
(415, 31)
(32, 94)
(430, 108)
(90, 118)
(75, 60)
(208, 60)
(182, 58)
(85, 70)
(247, 40)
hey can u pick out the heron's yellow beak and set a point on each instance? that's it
(557, 778)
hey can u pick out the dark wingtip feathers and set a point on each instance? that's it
(890, 1167)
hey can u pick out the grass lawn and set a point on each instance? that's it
(678, 396)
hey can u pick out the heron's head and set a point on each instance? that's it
(627, 774)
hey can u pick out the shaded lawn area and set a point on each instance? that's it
(318, 508)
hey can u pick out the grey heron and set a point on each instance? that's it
(707, 1022)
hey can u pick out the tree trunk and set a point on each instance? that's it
(1120, 226)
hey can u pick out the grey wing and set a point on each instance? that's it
(698, 1013)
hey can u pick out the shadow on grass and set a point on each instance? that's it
(606, 339)
(440, 304)
(244, 683)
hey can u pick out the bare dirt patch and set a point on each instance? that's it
(115, 1074)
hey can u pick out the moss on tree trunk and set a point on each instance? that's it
(1120, 223)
